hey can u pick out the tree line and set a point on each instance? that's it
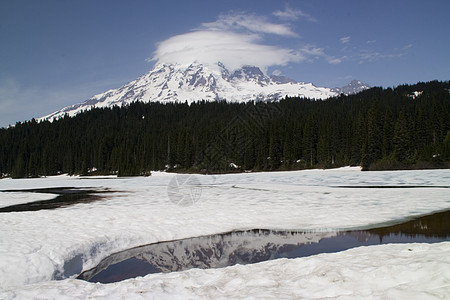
(378, 129)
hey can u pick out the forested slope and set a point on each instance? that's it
(377, 129)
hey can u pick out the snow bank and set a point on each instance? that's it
(396, 271)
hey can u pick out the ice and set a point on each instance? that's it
(36, 246)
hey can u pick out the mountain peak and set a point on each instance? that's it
(249, 73)
(354, 87)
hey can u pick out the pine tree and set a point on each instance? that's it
(402, 142)
(374, 137)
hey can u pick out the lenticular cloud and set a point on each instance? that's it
(234, 40)
(234, 50)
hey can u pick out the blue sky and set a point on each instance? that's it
(55, 53)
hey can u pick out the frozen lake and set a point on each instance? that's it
(253, 246)
(37, 246)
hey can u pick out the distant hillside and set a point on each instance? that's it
(405, 127)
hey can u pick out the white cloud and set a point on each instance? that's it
(313, 51)
(251, 23)
(345, 39)
(370, 54)
(292, 14)
(316, 53)
(409, 46)
(234, 50)
(334, 60)
(236, 40)
(276, 72)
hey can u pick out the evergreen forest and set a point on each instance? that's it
(378, 129)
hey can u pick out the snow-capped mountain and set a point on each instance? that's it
(180, 83)
(354, 87)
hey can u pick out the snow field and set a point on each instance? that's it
(395, 271)
(35, 246)
(14, 198)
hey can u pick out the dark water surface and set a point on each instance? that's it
(65, 196)
(393, 186)
(252, 246)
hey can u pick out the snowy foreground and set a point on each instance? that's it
(35, 246)
(396, 271)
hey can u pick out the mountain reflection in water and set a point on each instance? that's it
(252, 246)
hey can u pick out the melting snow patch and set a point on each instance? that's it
(415, 94)
(234, 166)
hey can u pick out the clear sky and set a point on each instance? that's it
(55, 53)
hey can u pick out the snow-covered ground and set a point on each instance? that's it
(13, 198)
(35, 246)
(395, 271)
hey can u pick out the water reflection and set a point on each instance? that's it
(246, 247)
